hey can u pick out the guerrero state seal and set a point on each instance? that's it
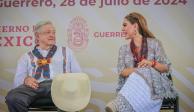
(77, 33)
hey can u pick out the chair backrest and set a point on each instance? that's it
(170, 103)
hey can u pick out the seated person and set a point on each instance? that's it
(37, 68)
(143, 69)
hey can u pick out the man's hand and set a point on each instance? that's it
(31, 82)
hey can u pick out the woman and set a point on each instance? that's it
(143, 70)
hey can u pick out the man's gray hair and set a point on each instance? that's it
(40, 24)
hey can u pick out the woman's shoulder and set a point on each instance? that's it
(153, 41)
(124, 46)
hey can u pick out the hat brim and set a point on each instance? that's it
(67, 102)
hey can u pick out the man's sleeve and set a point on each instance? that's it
(21, 71)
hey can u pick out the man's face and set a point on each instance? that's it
(46, 35)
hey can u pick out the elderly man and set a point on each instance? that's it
(37, 68)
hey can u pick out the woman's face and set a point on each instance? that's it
(129, 29)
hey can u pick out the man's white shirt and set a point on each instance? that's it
(24, 67)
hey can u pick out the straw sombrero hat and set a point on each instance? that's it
(71, 91)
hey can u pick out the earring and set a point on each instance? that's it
(135, 32)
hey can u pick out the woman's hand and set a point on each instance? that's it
(31, 82)
(127, 71)
(154, 64)
(145, 63)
